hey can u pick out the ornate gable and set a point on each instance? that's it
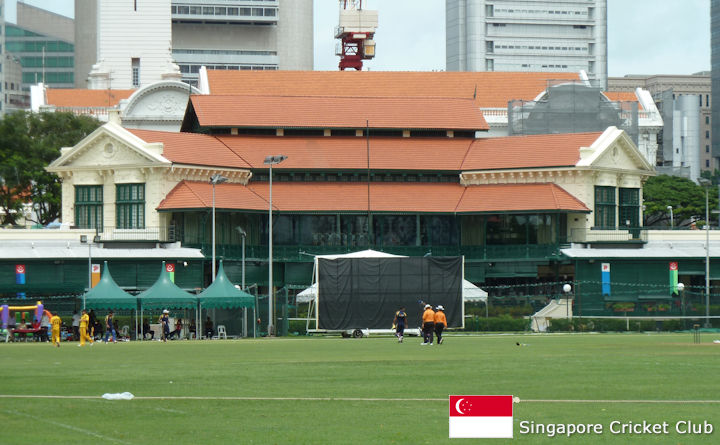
(614, 150)
(109, 147)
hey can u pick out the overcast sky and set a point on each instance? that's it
(644, 36)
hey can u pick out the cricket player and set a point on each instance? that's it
(55, 322)
(84, 321)
(399, 324)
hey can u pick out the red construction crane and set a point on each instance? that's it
(355, 30)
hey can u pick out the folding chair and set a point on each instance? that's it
(221, 332)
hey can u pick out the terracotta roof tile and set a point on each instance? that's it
(386, 153)
(490, 89)
(518, 197)
(198, 195)
(622, 96)
(330, 153)
(625, 96)
(384, 197)
(546, 150)
(337, 112)
(192, 148)
(65, 97)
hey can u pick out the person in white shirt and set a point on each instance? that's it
(76, 325)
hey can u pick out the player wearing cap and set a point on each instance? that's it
(428, 319)
(440, 323)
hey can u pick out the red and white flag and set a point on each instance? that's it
(481, 417)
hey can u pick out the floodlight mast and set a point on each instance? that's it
(214, 180)
(270, 161)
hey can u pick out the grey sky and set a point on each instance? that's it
(644, 36)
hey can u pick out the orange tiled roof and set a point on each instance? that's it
(193, 149)
(384, 197)
(490, 89)
(337, 112)
(341, 153)
(386, 153)
(66, 97)
(624, 96)
(545, 150)
(518, 197)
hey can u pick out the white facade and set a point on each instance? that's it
(532, 35)
(134, 42)
(242, 35)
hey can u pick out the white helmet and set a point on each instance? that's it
(427, 306)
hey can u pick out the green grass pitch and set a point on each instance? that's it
(353, 391)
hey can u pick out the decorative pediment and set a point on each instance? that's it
(614, 150)
(109, 147)
(160, 101)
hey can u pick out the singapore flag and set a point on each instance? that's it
(481, 417)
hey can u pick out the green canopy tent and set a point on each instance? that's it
(108, 295)
(223, 294)
(165, 294)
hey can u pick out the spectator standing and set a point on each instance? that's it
(209, 331)
(76, 326)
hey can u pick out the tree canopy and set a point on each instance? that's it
(685, 196)
(28, 143)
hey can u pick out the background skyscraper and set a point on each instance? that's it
(533, 35)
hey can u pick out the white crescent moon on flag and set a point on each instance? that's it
(457, 406)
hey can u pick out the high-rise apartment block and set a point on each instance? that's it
(532, 35)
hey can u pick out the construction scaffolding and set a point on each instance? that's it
(571, 107)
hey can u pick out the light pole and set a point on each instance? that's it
(84, 239)
(243, 234)
(214, 179)
(671, 217)
(707, 183)
(270, 161)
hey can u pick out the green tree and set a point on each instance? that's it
(28, 143)
(685, 196)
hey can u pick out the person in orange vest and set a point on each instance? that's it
(440, 323)
(428, 319)
(55, 322)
